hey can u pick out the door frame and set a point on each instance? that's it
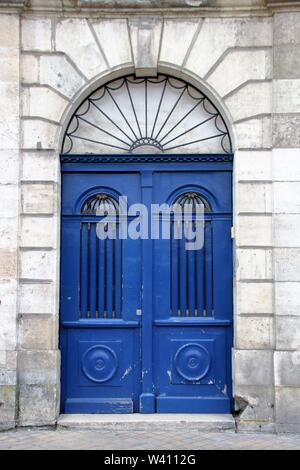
(146, 165)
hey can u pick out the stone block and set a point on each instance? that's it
(286, 230)
(36, 34)
(9, 135)
(286, 96)
(39, 232)
(254, 231)
(75, 38)
(254, 197)
(9, 31)
(38, 134)
(286, 197)
(38, 367)
(286, 164)
(9, 167)
(243, 105)
(29, 69)
(254, 332)
(57, 72)
(287, 368)
(8, 297)
(253, 165)
(40, 166)
(119, 51)
(145, 33)
(254, 264)
(8, 264)
(9, 233)
(288, 333)
(287, 298)
(8, 331)
(9, 63)
(7, 406)
(287, 408)
(38, 405)
(38, 198)
(239, 66)
(36, 299)
(287, 264)
(254, 133)
(286, 130)
(43, 102)
(254, 298)
(38, 332)
(260, 401)
(172, 30)
(253, 368)
(9, 195)
(287, 45)
(37, 264)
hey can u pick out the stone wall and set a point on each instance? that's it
(250, 67)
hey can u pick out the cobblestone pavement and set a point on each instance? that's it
(143, 440)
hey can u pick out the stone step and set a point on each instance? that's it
(144, 422)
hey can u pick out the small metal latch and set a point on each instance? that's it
(138, 312)
(232, 233)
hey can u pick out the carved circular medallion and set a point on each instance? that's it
(192, 361)
(99, 363)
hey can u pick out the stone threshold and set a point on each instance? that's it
(144, 422)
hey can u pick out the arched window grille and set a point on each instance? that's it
(100, 259)
(191, 270)
(150, 115)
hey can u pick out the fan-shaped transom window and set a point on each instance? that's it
(153, 115)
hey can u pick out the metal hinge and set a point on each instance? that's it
(232, 233)
(138, 312)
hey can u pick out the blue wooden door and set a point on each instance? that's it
(146, 325)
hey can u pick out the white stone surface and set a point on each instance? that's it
(239, 66)
(287, 298)
(117, 51)
(288, 333)
(36, 34)
(37, 299)
(9, 232)
(286, 96)
(9, 197)
(254, 298)
(39, 134)
(9, 166)
(173, 30)
(286, 197)
(37, 264)
(40, 166)
(254, 264)
(254, 133)
(254, 332)
(246, 370)
(43, 102)
(74, 37)
(253, 99)
(29, 68)
(9, 123)
(145, 34)
(57, 72)
(254, 230)
(287, 368)
(254, 197)
(39, 232)
(286, 164)
(287, 264)
(286, 230)
(38, 198)
(253, 165)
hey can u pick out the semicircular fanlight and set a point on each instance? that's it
(100, 204)
(194, 201)
(160, 114)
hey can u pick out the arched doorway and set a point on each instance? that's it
(146, 321)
